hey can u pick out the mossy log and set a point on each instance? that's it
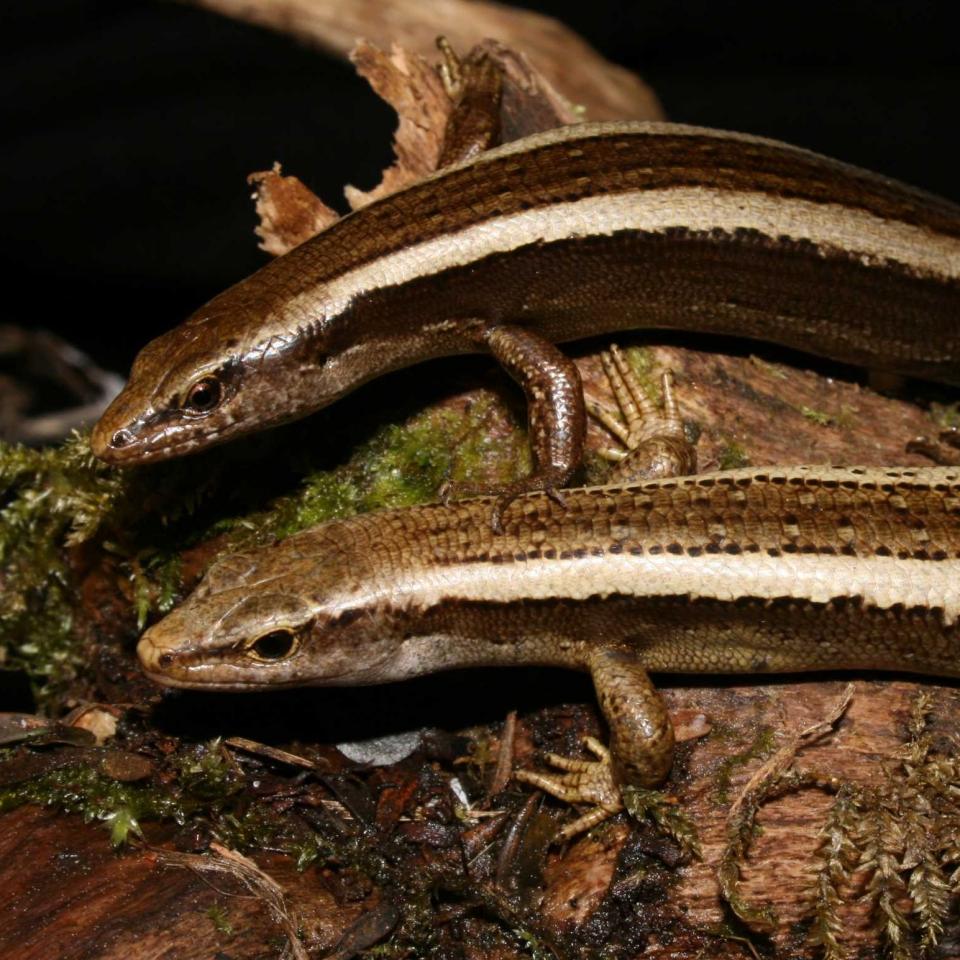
(625, 886)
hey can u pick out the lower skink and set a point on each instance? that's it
(749, 571)
(566, 234)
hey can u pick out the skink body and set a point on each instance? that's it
(578, 231)
(748, 571)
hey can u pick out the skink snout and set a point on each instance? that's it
(162, 661)
(115, 433)
(153, 658)
(128, 431)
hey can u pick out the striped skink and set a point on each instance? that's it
(566, 234)
(750, 571)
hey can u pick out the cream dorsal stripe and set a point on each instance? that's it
(881, 582)
(831, 227)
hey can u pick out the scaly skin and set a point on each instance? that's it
(563, 235)
(748, 571)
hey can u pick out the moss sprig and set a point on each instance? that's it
(666, 815)
(900, 835)
(50, 500)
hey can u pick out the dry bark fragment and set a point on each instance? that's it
(604, 90)
(425, 105)
(289, 211)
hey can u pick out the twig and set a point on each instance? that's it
(775, 766)
(223, 860)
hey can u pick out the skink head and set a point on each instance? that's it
(183, 391)
(280, 617)
(236, 366)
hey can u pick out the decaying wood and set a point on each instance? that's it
(289, 211)
(67, 896)
(604, 90)
(425, 104)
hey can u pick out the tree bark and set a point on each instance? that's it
(604, 90)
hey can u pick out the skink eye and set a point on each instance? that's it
(276, 645)
(204, 395)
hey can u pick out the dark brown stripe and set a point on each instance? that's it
(742, 284)
(703, 635)
(613, 163)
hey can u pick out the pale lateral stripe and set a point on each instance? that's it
(870, 238)
(880, 581)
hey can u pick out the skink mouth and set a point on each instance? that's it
(139, 451)
(217, 686)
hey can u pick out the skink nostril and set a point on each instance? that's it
(165, 660)
(121, 438)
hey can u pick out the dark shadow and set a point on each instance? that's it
(449, 701)
(15, 693)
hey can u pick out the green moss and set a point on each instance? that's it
(945, 415)
(818, 417)
(49, 500)
(202, 784)
(94, 796)
(157, 581)
(207, 772)
(666, 815)
(762, 745)
(773, 369)
(892, 845)
(845, 419)
(897, 842)
(221, 922)
(732, 455)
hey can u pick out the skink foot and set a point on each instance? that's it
(583, 781)
(653, 442)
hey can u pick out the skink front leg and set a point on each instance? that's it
(556, 412)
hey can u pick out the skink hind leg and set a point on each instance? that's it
(641, 735)
(653, 441)
(641, 744)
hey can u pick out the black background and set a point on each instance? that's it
(130, 127)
